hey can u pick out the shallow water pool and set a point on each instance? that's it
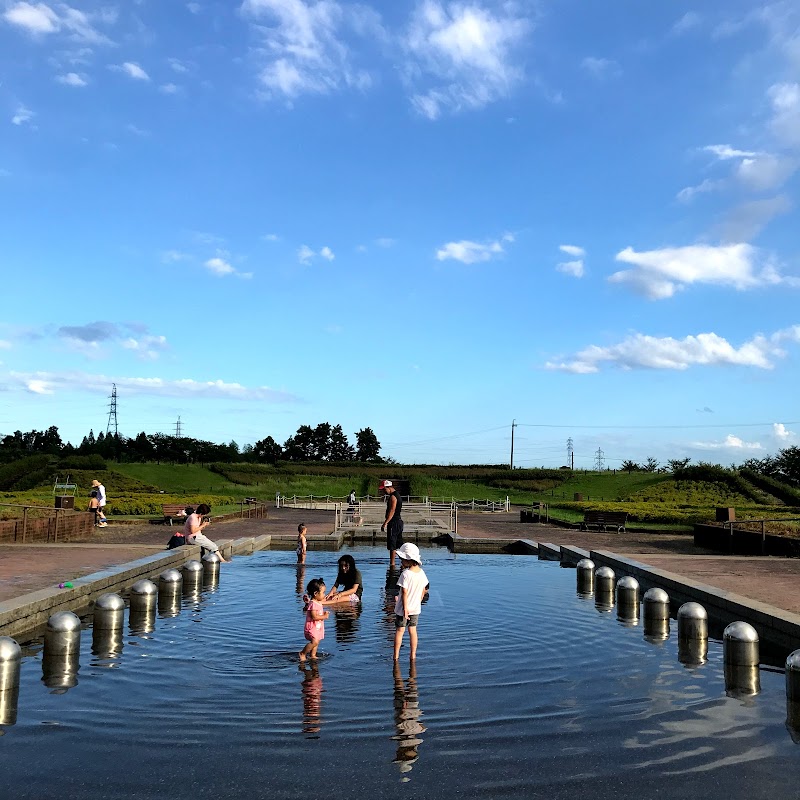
(521, 689)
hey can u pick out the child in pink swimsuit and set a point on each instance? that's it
(315, 618)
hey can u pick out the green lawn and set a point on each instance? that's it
(603, 485)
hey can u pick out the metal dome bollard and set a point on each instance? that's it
(793, 695)
(143, 596)
(604, 589)
(170, 584)
(740, 648)
(62, 635)
(655, 605)
(109, 611)
(692, 634)
(10, 662)
(211, 562)
(585, 577)
(628, 600)
(192, 576)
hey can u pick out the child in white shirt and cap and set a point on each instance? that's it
(411, 585)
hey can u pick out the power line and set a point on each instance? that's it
(178, 427)
(658, 427)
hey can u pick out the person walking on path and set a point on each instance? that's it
(393, 524)
(407, 608)
(193, 530)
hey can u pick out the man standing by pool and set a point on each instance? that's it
(393, 524)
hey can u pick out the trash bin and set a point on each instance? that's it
(65, 501)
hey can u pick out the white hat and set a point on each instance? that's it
(409, 552)
(384, 484)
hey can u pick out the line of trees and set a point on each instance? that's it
(325, 442)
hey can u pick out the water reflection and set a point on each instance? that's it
(407, 718)
(299, 586)
(346, 622)
(107, 646)
(9, 700)
(60, 672)
(389, 596)
(311, 689)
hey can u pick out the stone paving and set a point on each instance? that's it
(25, 568)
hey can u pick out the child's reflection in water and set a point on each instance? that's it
(312, 699)
(301, 577)
(407, 718)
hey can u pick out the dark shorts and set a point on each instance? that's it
(394, 535)
(400, 622)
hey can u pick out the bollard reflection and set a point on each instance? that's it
(107, 644)
(692, 652)
(9, 700)
(141, 622)
(311, 689)
(656, 630)
(793, 719)
(60, 672)
(604, 600)
(742, 681)
(407, 718)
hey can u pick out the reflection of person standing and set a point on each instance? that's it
(407, 718)
(312, 698)
(393, 524)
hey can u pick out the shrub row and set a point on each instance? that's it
(17, 471)
(787, 494)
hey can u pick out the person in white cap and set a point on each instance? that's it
(393, 524)
(407, 607)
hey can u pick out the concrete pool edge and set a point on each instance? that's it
(29, 611)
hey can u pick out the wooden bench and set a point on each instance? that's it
(604, 520)
(174, 512)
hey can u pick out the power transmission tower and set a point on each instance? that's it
(599, 460)
(178, 428)
(570, 454)
(111, 426)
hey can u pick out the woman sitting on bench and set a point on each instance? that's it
(193, 530)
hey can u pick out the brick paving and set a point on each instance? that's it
(25, 568)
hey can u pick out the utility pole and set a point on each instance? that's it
(599, 460)
(178, 428)
(513, 425)
(570, 454)
(112, 411)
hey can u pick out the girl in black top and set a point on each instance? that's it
(349, 579)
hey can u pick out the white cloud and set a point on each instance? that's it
(572, 250)
(40, 20)
(639, 351)
(219, 266)
(745, 221)
(688, 193)
(782, 434)
(730, 442)
(688, 22)
(271, 237)
(658, 274)
(468, 252)
(76, 381)
(601, 67)
(36, 386)
(462, 56)
(574, 268)
(169, 88)
(305, 255)
(146, 347)
(194, 8)
(172, 256)
(72, 79)
(764, 172)
(303, 47)
(785, 122)
(132, 70)
(35, 19)
(724, 152)
(22, 115)
(178, 66)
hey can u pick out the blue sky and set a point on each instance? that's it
(428, 218)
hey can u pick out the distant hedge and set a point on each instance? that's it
(18, 475)
(788, 494)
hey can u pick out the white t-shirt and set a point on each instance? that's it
(414, 582)
(101, 494)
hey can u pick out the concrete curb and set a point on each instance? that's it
(572, 555)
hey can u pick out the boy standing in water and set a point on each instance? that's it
(411, 583)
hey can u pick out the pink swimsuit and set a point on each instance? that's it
(315, 628)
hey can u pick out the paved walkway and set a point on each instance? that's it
(24, 568)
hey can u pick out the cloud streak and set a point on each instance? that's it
(639, 351)
(469, 252)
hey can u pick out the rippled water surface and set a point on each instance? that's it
(522, 689)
